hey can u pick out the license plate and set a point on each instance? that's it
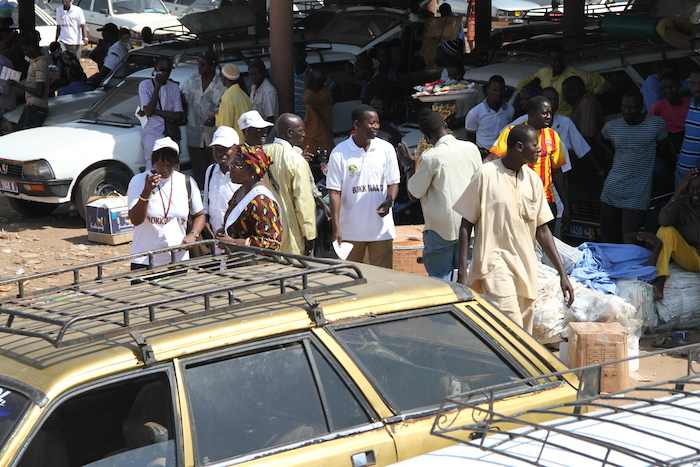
(6, 185)
(582, 231)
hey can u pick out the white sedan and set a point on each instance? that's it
(131, 14)
(43, 167)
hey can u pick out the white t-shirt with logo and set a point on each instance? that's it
(70, 22)
(158, 230)
(362, 178)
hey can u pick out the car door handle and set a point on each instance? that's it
(362, 459)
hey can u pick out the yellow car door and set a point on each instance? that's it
(414, 360)
(281, 402)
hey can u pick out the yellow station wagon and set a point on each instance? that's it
(251, 357)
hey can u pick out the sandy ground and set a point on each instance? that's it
(33, 246)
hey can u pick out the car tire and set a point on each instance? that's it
(32, 208)
(100, 182)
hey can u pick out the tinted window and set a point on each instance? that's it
(685, 66)
(84, 4)
(101, 5)
(620, 82)
(257, 401)
(416, 362)
(126, 423)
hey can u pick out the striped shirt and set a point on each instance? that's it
(552, 156)
(38, 73)
(690, 151)
(628, 185)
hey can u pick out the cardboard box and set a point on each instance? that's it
(591, 343)
(108, 220)
(408, 247)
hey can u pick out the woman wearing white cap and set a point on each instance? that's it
(160, 204)
(235, 100)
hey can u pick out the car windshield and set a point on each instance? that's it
(118, 106)
(358, 27)
(202, 5)
(45, 6)
(123, 7)
(416, 362)
(13, 405)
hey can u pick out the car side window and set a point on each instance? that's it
(124, 423)
(268, 398)
(101, 5)
(415, 362)
(87, 5)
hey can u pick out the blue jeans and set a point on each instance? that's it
(440, 256)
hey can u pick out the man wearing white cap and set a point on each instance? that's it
(290, 180)
(234, 102)
(218, 187)
(253, 127)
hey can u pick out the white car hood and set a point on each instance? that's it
(61, 145)
(137, 21)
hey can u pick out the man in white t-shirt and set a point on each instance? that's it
(218, 187)
(71, 29)
(363, 182)
(485, 120)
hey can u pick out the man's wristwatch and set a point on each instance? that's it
(195, 234)
(391, 201)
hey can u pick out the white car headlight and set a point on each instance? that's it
(40, 169)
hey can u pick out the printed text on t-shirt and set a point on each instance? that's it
(366, 188)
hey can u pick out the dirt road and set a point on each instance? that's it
(31, 246)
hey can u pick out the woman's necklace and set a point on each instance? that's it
(170, 200)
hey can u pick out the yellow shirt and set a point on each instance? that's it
(594, 82)
(234, 103)
(506, 208)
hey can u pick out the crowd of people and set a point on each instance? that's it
(504, 182)
(56, 70)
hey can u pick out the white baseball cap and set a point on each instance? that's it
(166, 142)
(253, 119)
(225, 136)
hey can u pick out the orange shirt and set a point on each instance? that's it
(551, 156)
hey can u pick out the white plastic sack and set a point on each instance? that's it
(567, 254)
(641, 295)
(552, 317)
(680, 307)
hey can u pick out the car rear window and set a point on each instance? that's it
(416, 362)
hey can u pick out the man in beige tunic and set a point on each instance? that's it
(505, 206)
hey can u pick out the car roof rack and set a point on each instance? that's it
(664, 412)
(97, 306)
